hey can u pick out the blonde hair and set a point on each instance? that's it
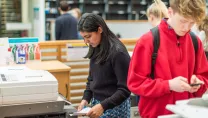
(158, 9)
(203, 26)
(76, 13)
(154, 10)
(194, 9)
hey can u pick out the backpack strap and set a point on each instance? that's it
(156, 44)
(195, 41)
(195, 44)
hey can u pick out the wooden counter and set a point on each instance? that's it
(57, 69)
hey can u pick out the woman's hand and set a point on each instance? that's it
(82, 104)
(96, 111)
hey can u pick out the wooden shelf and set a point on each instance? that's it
(10, 12)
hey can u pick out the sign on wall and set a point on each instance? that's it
(76, 51)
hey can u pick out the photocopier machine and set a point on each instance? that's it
(26, 93)
(191, 108)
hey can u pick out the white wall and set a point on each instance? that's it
(129, 29)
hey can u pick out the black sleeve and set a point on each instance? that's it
(120, 65)
(57, 29)
(88, 93)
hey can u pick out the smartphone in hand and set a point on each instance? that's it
(195, 84)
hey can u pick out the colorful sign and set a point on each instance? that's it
(24, 49)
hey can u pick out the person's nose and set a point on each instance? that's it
(186, 27)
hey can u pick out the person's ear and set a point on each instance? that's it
(100, 30)
(68, 8)
(151, 18)
(170, 12)
(59, 9)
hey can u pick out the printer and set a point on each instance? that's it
(30, 93)
(27, 86)
(191, 108)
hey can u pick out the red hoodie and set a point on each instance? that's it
(172, 61)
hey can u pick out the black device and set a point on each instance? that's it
(195, 84)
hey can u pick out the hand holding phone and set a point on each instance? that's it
(195, 84)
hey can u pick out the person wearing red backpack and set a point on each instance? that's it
(176, 71)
